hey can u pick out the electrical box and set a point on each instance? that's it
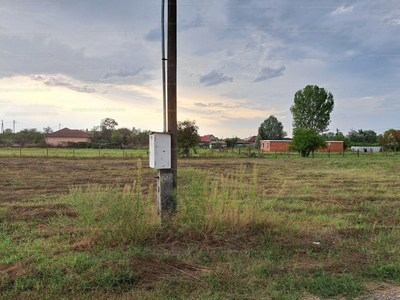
(160, 150)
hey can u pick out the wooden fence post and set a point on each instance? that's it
(329, 153)
(358, 152)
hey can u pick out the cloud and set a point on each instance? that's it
(219, 104)
(268, 73)
(215, 77)
(53, 82)
(343, 9)
(122, 73)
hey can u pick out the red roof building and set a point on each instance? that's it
(65, 135)
(212, 140)
(396, 133)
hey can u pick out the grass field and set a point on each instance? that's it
(246, 228)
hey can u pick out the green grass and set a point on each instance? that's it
(283, 228)
(68, 152)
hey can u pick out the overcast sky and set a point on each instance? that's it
(74, 62)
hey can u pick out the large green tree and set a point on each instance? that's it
(270, 129)
(312, 108)
(188, 136)
(306, 140)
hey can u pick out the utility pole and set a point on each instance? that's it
(167, 178)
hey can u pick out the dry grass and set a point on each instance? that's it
(247, 228)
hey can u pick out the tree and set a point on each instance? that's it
(306, 140)
(107, 126)
(47, 129)
(270, 129)
(389, 140)
(121, 136)
(188, 136)
(231, 142)
(361, 136)
(312, 108)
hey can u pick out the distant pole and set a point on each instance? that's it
(13, 126)
(2, 127)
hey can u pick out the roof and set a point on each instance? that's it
(207, 138)
(65, 132)
(396, 133)
(249, 140)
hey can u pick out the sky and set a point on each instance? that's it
(71, 63)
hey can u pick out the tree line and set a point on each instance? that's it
(311, 117)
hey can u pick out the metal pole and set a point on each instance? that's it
(163, 65)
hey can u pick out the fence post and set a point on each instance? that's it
(358, 152)
(329, 153)
(370, 150)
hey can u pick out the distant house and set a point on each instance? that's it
(274, 145)
(248, 141)
(63, 136)
(212, 140)
(333, 146)
(283, 145)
